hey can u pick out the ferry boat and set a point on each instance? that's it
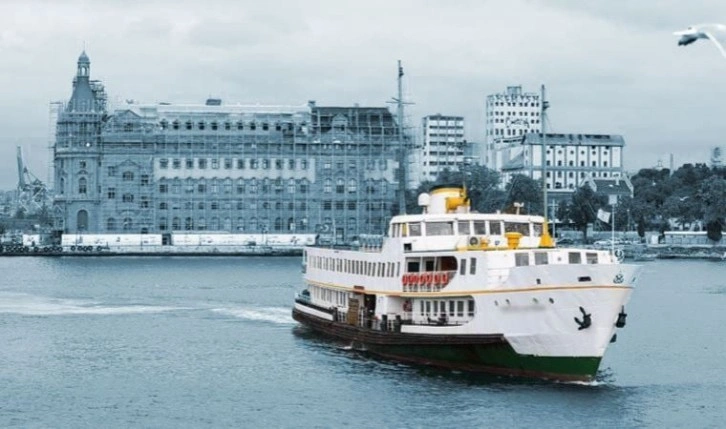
(470, 291)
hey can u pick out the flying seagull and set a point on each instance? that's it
(701, 31)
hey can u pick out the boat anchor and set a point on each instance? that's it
(586, 320)
(620, 323)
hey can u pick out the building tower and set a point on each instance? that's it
(443, 145)
(509, 115)
(75, 153)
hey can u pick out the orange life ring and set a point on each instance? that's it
(445, 277)
(437, 278)
(422, 279)
(429, 278)
(404, 279)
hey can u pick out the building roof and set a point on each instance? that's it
(611, 186)
(575, 139)
(516, 163)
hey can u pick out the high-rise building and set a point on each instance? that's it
(443, 146)
(162, 168)
(509, 114)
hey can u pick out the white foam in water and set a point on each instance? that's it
(33, 305)
(279, 315)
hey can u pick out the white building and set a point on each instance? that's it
(444, 146)
(571, 159)
(509, 114)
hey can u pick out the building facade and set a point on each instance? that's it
(161, 168)
(444, 146)
(509, 115)
(570, 159)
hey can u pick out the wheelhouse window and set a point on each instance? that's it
(495, 228)
(480, 227)
(464, 227)
(520, 227)
(414, 229)
(591, 258)
(439, 228)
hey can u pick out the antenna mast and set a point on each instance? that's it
(546, 240)
(402, 142)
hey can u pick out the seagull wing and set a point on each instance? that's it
(715, 42)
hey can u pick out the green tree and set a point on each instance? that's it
(582, 208)
(523, 189)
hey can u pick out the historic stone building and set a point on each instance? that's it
(160, 168)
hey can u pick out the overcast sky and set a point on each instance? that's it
(610, 66)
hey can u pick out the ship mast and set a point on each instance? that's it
(546, 240)
(402, 142)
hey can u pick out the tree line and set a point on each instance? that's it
(693, 197)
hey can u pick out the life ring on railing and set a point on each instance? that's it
(429, 278)
(619, 254)
(445, 277)
(404, 280)
(437, 278)
(407, 306)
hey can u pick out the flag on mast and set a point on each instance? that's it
(603, 216)
(400, 70)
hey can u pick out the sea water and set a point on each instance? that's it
(169, 342)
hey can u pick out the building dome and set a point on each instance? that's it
(83, 58)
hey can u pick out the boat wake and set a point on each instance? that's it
(276, 315)
(33, 305)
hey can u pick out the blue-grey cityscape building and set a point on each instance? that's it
(161, 168)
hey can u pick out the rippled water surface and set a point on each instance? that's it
(209, 342)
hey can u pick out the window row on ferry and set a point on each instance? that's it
(353, 266)
(465, 228)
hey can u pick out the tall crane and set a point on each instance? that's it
(33, 195)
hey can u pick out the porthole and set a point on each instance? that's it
(552, 301)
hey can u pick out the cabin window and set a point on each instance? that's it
(463, 226)
(540, 258)
(452, 308)
(522, 228)
(430, 265)
(413, 266)
(521, 259)
(462, 267)
(398, 269)
(460, 308)
(471, 307)
(472, 266)
(537, 229)
(421, 307)
(574, 257)
(428, 307)
(591, 258)
(495, 228)
(439, 228)
(436, 307)
(480, 227)
(414, 229)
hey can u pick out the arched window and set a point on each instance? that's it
(82, 220)
(340, 186)
(302, 224)
(253, 224)
(227, 224)
(176, 223)
(188, 223)
(111, 224)
(240, 224)
(227, 186)
(201, 224)
(128, 224)
(291, 186)
(352, 185)
(162, 224)
(82, 186)
(328, 186)
(291, 224)
(278, 224)
(214, 224)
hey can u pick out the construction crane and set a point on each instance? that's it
(33, 195)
